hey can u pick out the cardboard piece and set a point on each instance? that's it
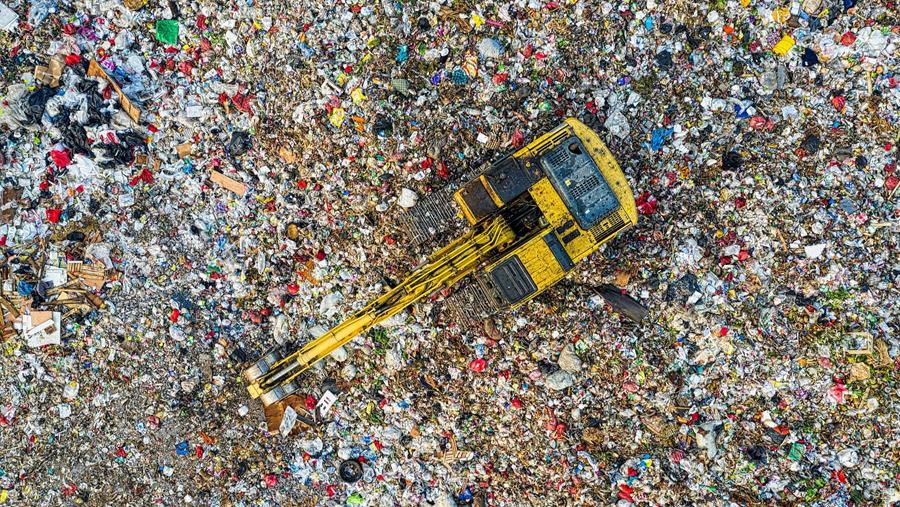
(228, 183)
(50, 74)
(454, 455)
(287, 155)
(95, 70)
(40, 328)
(184, 150)
(11, 307)
(9, 197)
(92, 275)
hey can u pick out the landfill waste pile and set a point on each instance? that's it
(186, 185)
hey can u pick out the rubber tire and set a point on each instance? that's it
(350, 470)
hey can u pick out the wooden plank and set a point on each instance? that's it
(228, 183)
(95, 70)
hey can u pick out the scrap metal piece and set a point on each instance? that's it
(623, 303)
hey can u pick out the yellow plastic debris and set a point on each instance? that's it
(781, 15)
(745, 3)
(477, 20)
(337, 116)
(784, 45)
(358, 96)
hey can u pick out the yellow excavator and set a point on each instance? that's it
(531, 217)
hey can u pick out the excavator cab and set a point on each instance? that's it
(531, 217)
(578, 199)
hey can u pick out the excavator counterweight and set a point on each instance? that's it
(532, 216)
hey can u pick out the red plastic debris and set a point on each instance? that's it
(145, 175)
(758, 123)
(646, 203)
(625, 492)
(442, 171)
(478, 365)
(242, 102)
(839, 103)
(53, 215)
(848, 38)
(518, 139)
(60, 158)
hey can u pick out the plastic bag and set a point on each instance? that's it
(241, 143)
(35, 103)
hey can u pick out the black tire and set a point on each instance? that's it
(350, 470)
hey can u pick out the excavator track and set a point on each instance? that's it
(434, 215)
(469, 305)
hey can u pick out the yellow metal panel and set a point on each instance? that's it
(490, 190)
(467, 213)
(550, 203)
(540, 263)
(582, 246)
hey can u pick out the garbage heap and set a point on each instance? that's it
(188, 184)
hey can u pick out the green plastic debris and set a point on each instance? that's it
(355, 499)
(167, 31)
(796, 451)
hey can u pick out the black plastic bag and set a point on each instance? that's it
(131, 139)
(122, 153)
(241, 143)
(75, 137)
(36, 102)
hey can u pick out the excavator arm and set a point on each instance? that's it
(273, 378)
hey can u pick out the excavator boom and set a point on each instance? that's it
(443, 269)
